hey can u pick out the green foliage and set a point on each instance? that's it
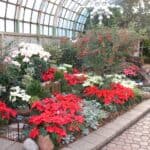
(55, 51)
(146, 50)
(39, 66)
(69, 55)
(59, 75)
(35, 89)
(93, 113)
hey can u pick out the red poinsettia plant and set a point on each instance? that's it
(73, 78)
(57, 115)
(117, 94)
(6, 112)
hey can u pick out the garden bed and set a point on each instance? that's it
(64, 102)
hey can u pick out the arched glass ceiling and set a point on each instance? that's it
(43, 17)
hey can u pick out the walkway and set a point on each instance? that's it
(136, 137)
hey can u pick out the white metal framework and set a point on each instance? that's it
(43, 17)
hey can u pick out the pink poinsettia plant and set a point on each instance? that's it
(131, 71)
(58, 115)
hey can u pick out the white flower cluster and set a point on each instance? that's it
(115, 78)
(64, 67)
(92, 80)
(2, 89)
(27, 50)
(123, 80)
(16, 93)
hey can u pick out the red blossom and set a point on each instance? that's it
(57, 130)
(117, 94)
(59, 111)
(34, 133)
(6, 112)
(91, 91)
(75, 70)
(49, 75)
(74, 79)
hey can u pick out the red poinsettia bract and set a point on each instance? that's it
(49, 75)
(34, 133)
(57, 114)
(74, 79)
(117, 94)
(6, 112)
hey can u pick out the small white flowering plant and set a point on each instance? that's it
(18, 96)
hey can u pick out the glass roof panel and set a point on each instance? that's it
(51, 17)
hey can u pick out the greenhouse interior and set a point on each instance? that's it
(75, 74)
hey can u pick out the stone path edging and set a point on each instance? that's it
(99, 138)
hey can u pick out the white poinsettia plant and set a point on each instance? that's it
(18, 94)
(123, 80)
(115, 78)
(29, 57)
(29, 50)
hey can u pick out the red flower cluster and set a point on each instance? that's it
(56, 114)
(6, 112)
(131, 70)
(71, 78)
(74, 79)
(117, 94)
(49, 75)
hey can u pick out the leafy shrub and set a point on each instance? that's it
(93, 113)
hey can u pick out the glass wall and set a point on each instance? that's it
(43, 17)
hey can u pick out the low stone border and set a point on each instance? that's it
(99, 138)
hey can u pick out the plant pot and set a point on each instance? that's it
(45, 143)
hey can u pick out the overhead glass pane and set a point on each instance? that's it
(30, 3)
(41, 29)
(21, 27)
(34, 16)
(49, 8)
(58, 1)
(63, 12)
(24, 2)
(11, 11)
(37, 4)
(27, 15)
(51, 20)
(33, 28)
(9, 26)
(2, 25)
(54, 10)
(46, 19)
(21, 15)
(26, 28)
(42, 18)
(3, 9)
(13, 1)
(45, 30)
(50, 31)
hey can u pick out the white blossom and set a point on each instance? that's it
(16, 93)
